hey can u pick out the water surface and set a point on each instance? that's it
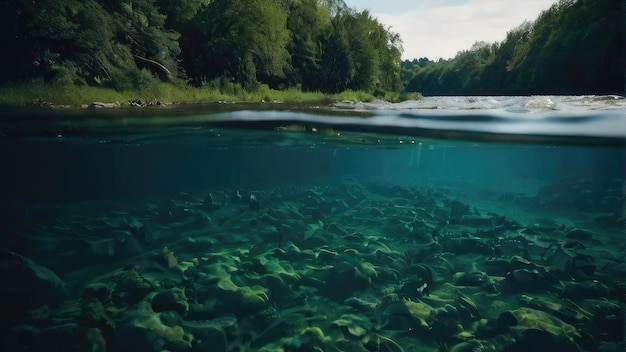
(451, 223)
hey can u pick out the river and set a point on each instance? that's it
(448, 223)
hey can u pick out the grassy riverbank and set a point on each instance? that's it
(37, 92)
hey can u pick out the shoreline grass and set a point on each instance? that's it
(38, 93)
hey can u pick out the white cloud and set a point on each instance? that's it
(441, 31)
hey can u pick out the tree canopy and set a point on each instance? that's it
(574, 47)
(129, 43)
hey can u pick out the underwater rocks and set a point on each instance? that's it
(582, 195)
(541, 340)
(130, 287)
(475, 279)
(97, 291)
(527, 280)
(458, 210)
(579, 234)
(94, 315)
(28, 283)
(464, 243)
(537, 319)
(335, 267)
(150, 333)
(173, 299)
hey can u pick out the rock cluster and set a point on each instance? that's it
(350, 267)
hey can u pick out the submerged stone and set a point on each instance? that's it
(97, 290)
(476, 221)
(469, 279)
(26, 283)
(396, 316)
(536, 319)
(579, 234)
(445, 321)
(172, 299)
(540, 340)
(527, 280)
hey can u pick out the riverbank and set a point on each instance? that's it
(38, 93)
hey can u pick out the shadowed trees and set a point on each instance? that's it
(574, 47)
(91, 42)
(361, 54)
(240, 40)
(312, 44)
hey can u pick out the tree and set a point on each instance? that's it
(309, 27)
(180, 12)
(127, 44)
(94, 42)
(390, 73)
(245, 40)
(337, 64)
(361, 54)
(574, 47)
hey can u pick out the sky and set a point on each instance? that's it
(440, 28)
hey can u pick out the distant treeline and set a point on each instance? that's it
(575, 47)
(315, 45)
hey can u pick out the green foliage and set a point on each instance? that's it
(133, 45)
(338, 64)
(409, 69)
(240, 39)
(101, 41)
(354, 96)
(574, 47)
(38, 92)
(310, 44)
(310, 27)
(360, 54)
(60, 92)
(136, 79)
(179, 12)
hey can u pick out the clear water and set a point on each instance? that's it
(448, 224)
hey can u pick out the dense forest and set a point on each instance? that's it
(574, 47)
(315, 45)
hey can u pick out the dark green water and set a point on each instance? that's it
(284, 231)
